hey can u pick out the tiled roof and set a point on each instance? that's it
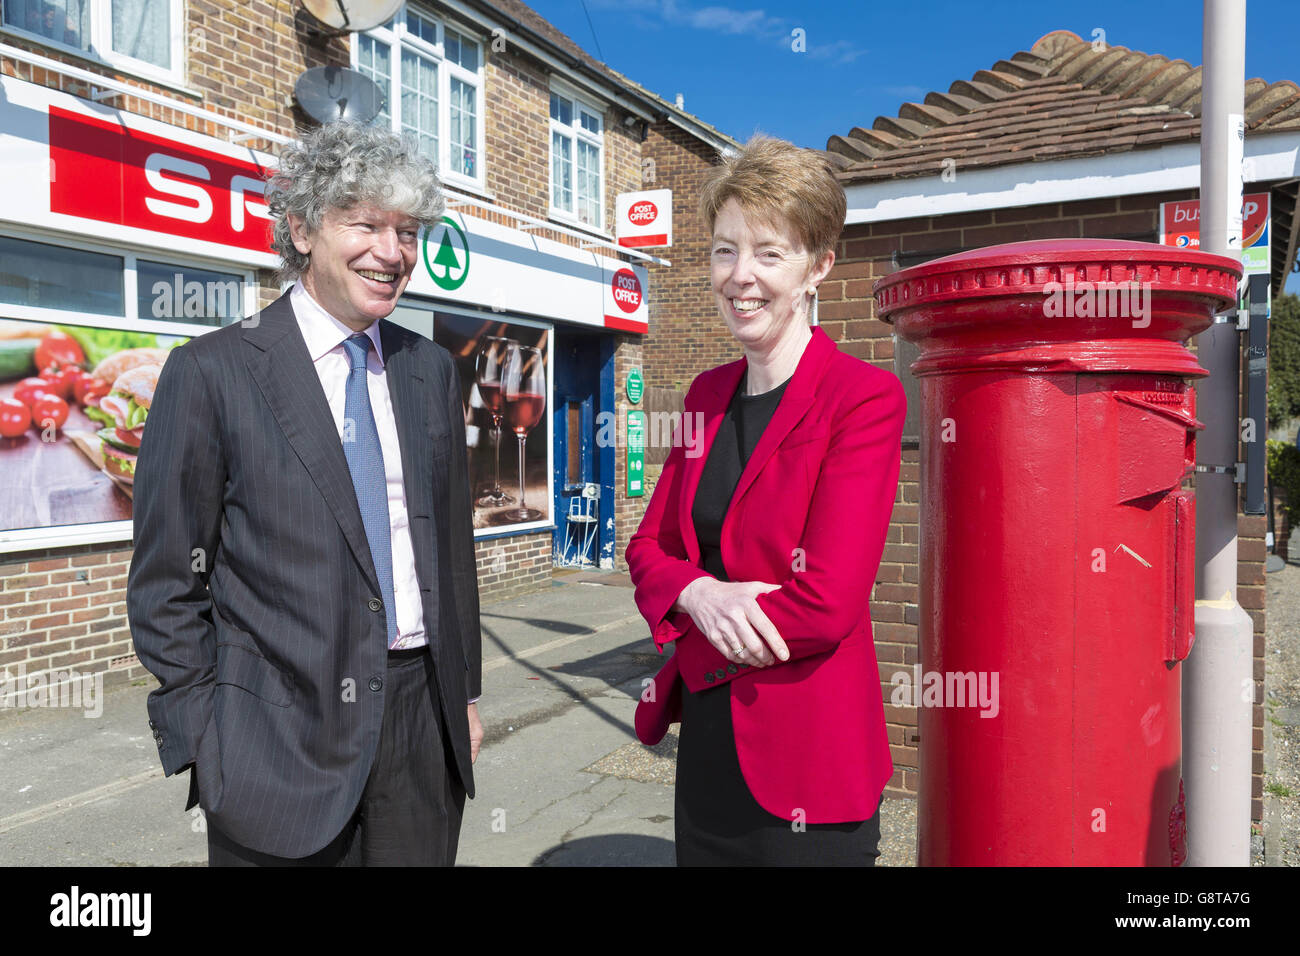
(1061, 99)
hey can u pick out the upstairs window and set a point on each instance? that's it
(577, 173)
(143, 37)
(432, 78)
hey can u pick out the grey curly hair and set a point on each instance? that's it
(340, 165)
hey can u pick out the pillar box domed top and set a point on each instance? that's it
(1059, 305)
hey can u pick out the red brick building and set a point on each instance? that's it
(534, 140)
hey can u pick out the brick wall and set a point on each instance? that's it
(516, 134)
(245, 57)
(513, 565)
(517, 139)
(65, 608)
(687, 336)
(847, 313)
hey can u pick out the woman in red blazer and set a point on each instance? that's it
(756, 557)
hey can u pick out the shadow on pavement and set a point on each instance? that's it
(618, 849)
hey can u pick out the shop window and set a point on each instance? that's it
(432, 78)
(141, 36)
(577, 140)
(43, 276)
(46, 281)
(186, 294)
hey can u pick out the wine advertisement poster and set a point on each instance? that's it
(505, 386)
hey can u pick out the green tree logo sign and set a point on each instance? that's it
(448, 264)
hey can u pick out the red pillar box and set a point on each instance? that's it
(1057, 545)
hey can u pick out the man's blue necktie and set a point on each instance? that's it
(366, 462)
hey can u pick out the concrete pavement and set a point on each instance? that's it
(562, 780)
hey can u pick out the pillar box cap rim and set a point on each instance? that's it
(1031, 265)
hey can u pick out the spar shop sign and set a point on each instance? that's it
(491, 265)
(644, 219)
(446, 255)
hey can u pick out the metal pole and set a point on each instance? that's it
(1218, 678)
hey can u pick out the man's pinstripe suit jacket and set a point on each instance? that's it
(252, 596)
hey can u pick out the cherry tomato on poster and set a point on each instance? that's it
(49, 409)
(59, 348)
(60, 379)
(29, 388)
(14, 418)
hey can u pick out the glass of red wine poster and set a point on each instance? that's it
(524, 390)
(489, 373)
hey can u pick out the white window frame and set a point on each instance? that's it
(396, 37)
(131, 321)
(574, 134)
(101, 42)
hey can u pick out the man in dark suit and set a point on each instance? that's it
(303, 583)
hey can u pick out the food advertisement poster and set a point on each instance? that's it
(73, 404)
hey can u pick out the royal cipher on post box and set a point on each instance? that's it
(1057, 544)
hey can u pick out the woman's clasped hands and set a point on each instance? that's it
(727, 613)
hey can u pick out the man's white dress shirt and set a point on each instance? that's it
(324, 336)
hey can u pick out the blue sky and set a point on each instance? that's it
(733, 60)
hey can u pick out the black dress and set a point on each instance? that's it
(717, 820)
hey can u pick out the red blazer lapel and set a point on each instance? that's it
(712, 405)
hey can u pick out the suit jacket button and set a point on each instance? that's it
(152, 725)
(375, 604)
(720, 673)
(708, 678)
(731, 668)
(376, 684)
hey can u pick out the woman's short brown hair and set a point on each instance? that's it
(780, 184)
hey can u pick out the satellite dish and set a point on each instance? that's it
(352, 15)
(332, 93)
